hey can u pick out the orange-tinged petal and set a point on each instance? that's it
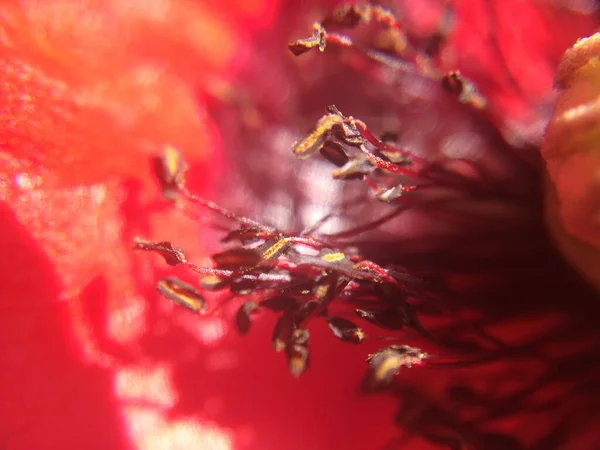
(572, 153)
(91, 89)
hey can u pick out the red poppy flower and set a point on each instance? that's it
(94, 358)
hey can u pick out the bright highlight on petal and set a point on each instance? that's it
(148, 425)
(150, 431)
(150, 384)
(126, 324)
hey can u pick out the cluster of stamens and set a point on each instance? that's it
(303, 277)
(300, 278)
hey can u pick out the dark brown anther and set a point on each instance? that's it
(280, 303)
(350, 134)
(332, 109)
(325, 289)
(179, 292)
(297, 351)
(306, 311)
(170, 169)
(302, 46)
(173, 255)
(274, 248)
(242, 317)
(331, 124)
(334, 153)
(317, 40)
(213, 283)
(433, 44)
(386, 363)
(453, 83)
(284, 328)
(244, 235)
(238, 258)
(300, 336)
(243, 286)
(464, 89)
(300, 288)
(345, 330)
